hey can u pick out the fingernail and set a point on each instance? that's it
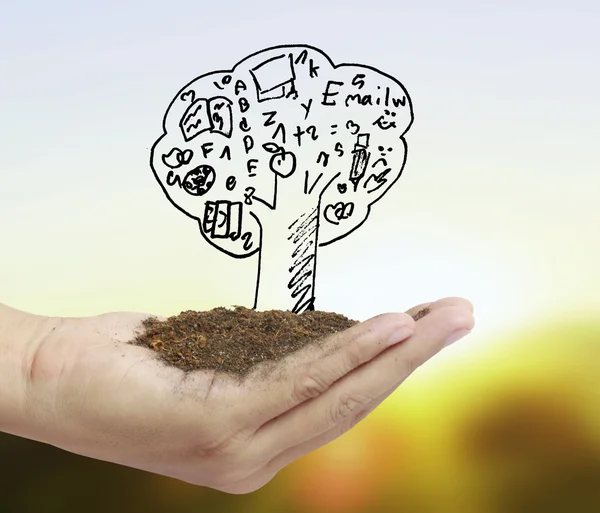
(400, 335)
(456, 336)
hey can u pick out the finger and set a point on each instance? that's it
(352, 394)
(294, 453)
(441, 303)
(274, 465)
(417, 309)
(314, 368)
(312, 371)
(458, 302)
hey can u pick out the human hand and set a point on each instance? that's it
(90, 392)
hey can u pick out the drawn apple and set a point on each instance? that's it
(282, 162)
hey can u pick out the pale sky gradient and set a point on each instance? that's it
(498, 202)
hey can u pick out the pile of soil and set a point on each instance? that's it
(235, 340)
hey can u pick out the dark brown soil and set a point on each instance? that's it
(421, 313)
(235, 340)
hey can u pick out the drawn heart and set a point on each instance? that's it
(188, 94)
(342, 187)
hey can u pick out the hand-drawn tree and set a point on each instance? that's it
(283, 154)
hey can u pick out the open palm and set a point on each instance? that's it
(92, 393)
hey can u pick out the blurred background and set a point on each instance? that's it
(498, 203)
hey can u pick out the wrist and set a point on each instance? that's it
(21, 335)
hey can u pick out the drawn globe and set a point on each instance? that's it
(199, 180)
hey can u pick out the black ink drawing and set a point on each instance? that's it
(281, 155)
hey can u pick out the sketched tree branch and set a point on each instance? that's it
(280, 155)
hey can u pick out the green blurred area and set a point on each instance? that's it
(514, 428)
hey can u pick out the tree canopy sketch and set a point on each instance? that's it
(281, 155)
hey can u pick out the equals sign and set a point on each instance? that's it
(333, 129)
